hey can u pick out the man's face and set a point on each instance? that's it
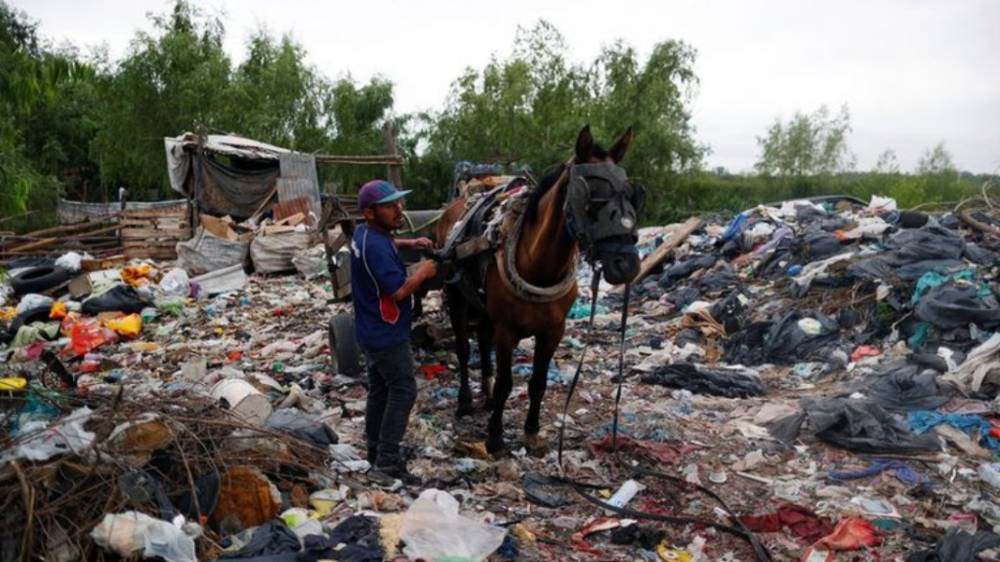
(386, 215)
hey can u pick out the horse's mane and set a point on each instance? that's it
(550, 177)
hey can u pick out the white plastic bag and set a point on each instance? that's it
(44, 442)
(432, 528)
(176, 283)
(70, 261)
(33, 300)
(131, 532)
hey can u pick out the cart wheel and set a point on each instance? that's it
(344, 346)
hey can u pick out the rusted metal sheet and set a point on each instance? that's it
(295, 189)
(299, 179)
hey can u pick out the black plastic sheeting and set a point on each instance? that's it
(120, 298)
(957, 546)
(900, 388)
(273, 541)
(706, 380)
(297, 423)
(861, 426)
(782, 342)
(952, 305)
(355, 539)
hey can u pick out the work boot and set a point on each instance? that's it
(386, 475)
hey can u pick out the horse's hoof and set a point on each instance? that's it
(496, 448)
(536, 445)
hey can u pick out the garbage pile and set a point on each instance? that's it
(817, 379)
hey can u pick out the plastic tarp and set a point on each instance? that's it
(856, 425)
(207, 252)
(274, 253)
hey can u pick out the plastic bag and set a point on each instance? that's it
(129, 326)
(70, 261)
(433, 529)
(176, 283)
(86, 336)
(32, 301)
(132, 532)
(137, 275)
(118, 298)
(44, 441)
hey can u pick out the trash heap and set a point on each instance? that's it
(814, 378)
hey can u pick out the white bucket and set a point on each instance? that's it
(243, 399)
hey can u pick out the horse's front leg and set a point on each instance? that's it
(545, 347)
(505, 341)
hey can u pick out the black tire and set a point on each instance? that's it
(38, 279)
(344, 347)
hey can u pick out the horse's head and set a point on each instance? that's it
(602, 206)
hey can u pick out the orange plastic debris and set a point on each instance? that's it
(137, 275)
(58, 311)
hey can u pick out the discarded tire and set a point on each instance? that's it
(344, 346)
(38, 279)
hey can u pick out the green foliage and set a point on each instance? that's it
(86, 126)
(936, 161)
(530, 106)
(807, 145)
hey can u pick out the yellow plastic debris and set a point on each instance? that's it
(670, 553)
(129, 326)
(8, 313)
(10, 384)
(137, 275)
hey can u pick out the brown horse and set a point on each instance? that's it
(586, 203)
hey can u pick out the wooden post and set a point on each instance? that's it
(122, 201)
(393, 171)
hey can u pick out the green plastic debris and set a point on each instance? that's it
(932, 279)
(581, 309)
(919, 336)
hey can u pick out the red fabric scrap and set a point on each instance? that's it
(865, 351)
(801, 522)
(432, 370)
(659, 452)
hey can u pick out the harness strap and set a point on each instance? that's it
(507, 268)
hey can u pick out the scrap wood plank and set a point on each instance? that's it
(46, 242)
(177, 233)
(677, 237)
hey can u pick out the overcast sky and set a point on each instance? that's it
(913, 73)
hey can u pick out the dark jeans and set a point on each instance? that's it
(392, 390)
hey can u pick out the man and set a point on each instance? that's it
(381, 294)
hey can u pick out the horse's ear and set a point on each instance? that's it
(584, 143)
(617, 152)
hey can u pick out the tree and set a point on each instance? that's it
(887, 163)
(40, 123)
(275, 97)
(529, 106)
(936, 162)
(168, 83)
(807, 145)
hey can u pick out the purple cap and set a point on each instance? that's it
(377, 192)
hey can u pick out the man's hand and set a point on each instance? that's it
(414, 243)
(426, 269)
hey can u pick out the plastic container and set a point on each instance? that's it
(243, 399)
